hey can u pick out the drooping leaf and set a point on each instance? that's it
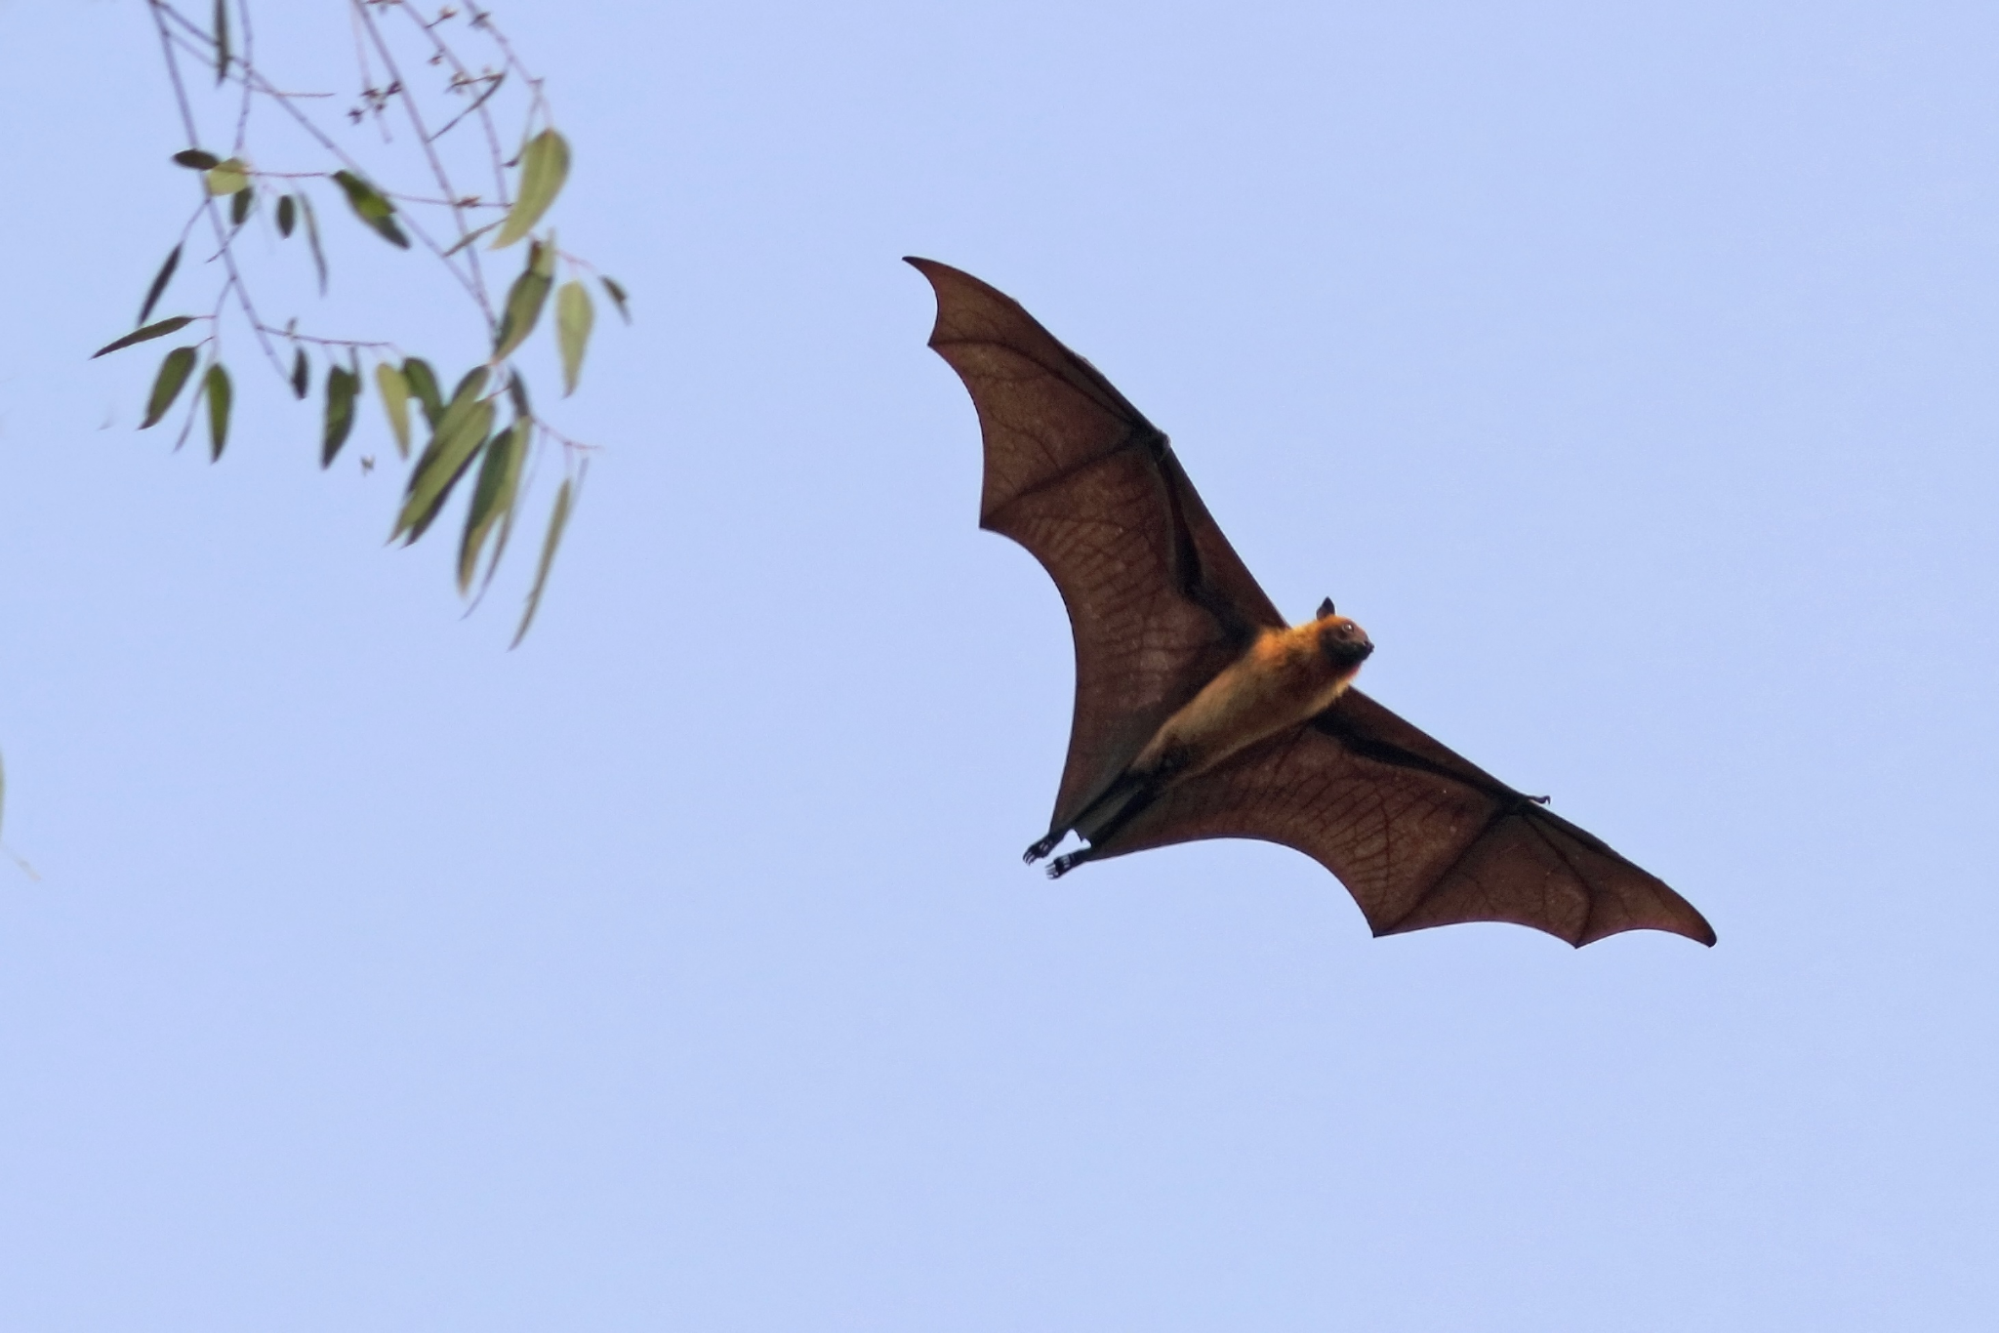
(557, 521)
(469, 238)
(573, 317)
(517, 390)
(228, 176)
(524, 302)
(372, 207)
(544, 167)
(312, 235)
(499, 480)
(342, 385)
(287, 215)
(221, 40)
(457, 442)
(160, 330)
(301, 374)
(444, 437)
(179, 364)
(195, 158)
(423, 383)
(159, 286)
(617, 297)
(396, 402)
(239, 206)
(216, 385)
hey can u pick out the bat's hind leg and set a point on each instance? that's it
(1103, 818)
(1042, 846)
(1069, 861)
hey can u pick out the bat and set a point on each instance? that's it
(1201, 713)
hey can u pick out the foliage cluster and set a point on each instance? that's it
(481, 424)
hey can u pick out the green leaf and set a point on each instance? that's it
(160, 330)
(457, 442)
(341, 387)
(159, 286)
(499, 481)
(469, 238)
(423, 383)
(372, 207)
(194, 157)
(544, 167)
(239, 206)
(221, 40)
(287, 215)
(216, 385)
(167, 386)
(524, 302)
(573, 318)
(557, 521)
(312, 235)
(396, 402)
(301, 374)
(228, 176)
(617, 297)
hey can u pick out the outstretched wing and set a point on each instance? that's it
(1419, 835)
(1158, 600)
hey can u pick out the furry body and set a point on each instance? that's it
(1284, 678)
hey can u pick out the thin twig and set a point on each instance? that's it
(214, 214)
(402, 89)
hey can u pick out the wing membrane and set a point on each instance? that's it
(1419, 835)
(1158, 600)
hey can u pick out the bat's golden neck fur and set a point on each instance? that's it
(1282, 679)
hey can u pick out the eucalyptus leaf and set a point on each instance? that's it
(312, 235)
(544, 167)
(342, 385)
(239, 206)
(445, 438)
(469, 238)
(573, 317)
(423, 383)
(617, 297)
(301, 374)
(557, 521)
(452, 450)
(159, 286)
(160, 330)
(221, 40)
(228, 176)
(216, 385)
(179, 364)
(395, 390)
(524, 302)
(287, 215)
(499, 482)
(195, 158)
(372, 207)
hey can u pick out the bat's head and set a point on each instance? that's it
(1344, 643)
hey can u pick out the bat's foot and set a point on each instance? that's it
(1040, 848)
(1066, 863)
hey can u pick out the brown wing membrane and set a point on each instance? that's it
(1419, 835)
(1158, 600)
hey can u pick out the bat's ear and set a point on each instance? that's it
(1325, 609)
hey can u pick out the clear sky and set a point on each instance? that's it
(1630, 372)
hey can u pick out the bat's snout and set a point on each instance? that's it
(1345, 643)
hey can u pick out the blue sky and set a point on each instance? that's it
(1632, 373)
